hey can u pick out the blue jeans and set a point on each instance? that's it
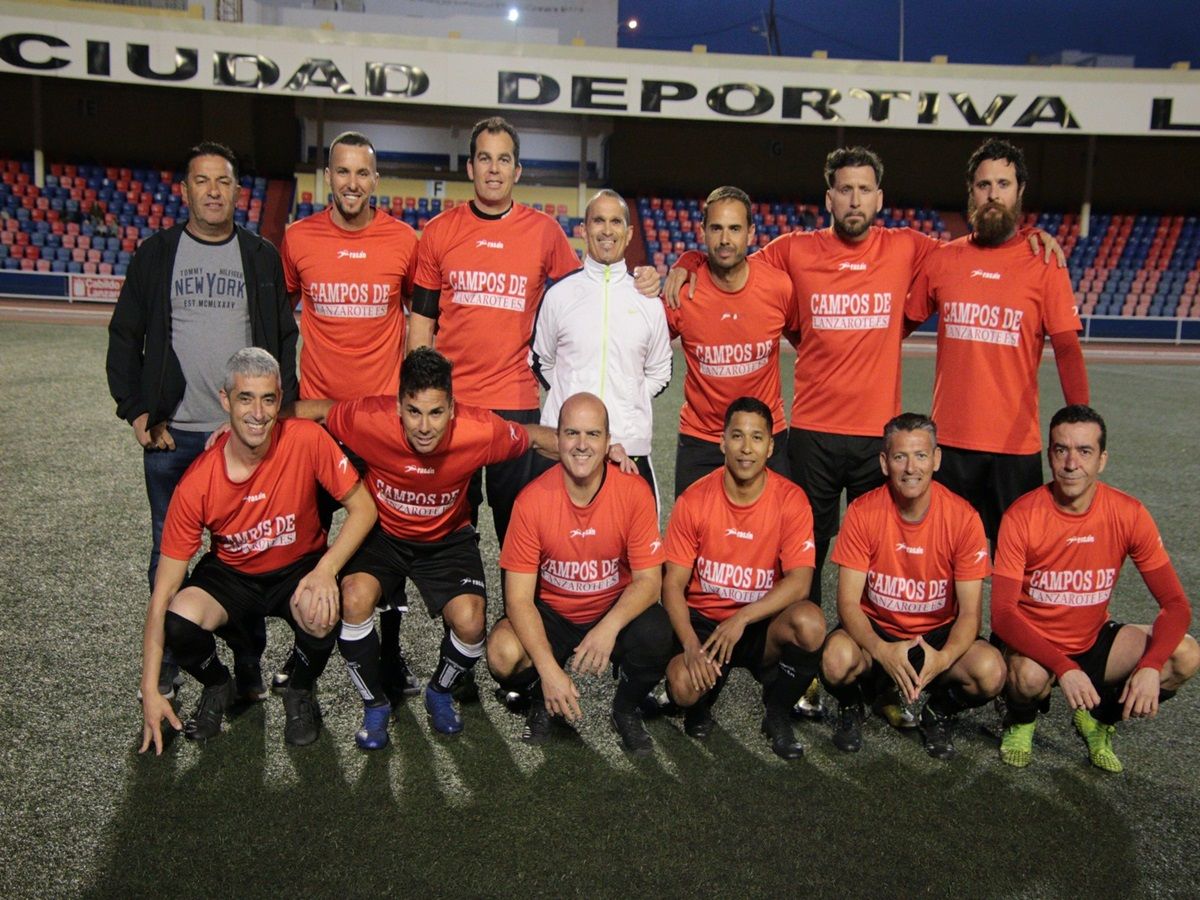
(163, 470)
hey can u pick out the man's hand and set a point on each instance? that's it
(1078, 690)
(702, 671)
(561, 695)
(672, 287)
(156, 438)
(617, 454)
(1043, 244)
(594, 651)
(212, 438)
(316, 602)
(646, 280)
(155, 708)
(893, 656)
(936, 662)
(720, 644)
(1140, 694)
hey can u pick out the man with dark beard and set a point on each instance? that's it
(996, 305)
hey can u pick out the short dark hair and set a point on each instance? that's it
(729, 192)
(425, 369)
(850, 157)
(612, 195)
(495, 125)
(1077, 414)
(998, 148)
(352, 139)
(211, 148)
(909, 421)
(750, 405)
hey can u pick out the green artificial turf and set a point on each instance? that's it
(485, 816)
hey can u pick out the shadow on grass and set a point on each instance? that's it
(467, 817)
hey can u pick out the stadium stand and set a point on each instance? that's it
(1144, 265)
(89, 219)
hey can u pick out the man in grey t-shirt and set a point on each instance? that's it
(194, 295)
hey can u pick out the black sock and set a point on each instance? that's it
(389, 635)
(1020, 713)
(797, 667)
(521, 682)
(455, 660)
(312, 653)
(632, 688)
(363, 667)
(845, 694)
(952, 699)
(1110, 707)
(195, 650)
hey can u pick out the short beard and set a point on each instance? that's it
(364, 210)
(851, 231)
(993, 230)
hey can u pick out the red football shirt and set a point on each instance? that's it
(491, 272)
(268, 521)
(737, 553)
(995, 305)
(423, 496)
(352, 286)
(731, 346)
(912, 566)
(850, 318)
(1068, 564)
(584, 555)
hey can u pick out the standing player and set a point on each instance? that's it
(849, 281)
(730, 336)
(912, 558)
(194, 295)
(255, 491)
(583, 565)
(596, 333)
(739, 567)
(481, 270)
(996, 305)
(421, 449)
(1061, 549)
(350, 268)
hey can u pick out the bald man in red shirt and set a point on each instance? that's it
(583, 572)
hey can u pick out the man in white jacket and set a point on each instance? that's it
(596, 333)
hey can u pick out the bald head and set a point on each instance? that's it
(582, 412)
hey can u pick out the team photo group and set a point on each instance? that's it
(410, 395)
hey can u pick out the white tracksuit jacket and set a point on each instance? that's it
(596, 333)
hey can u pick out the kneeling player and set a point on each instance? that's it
(912, 558)
(1060, 550)
(255, 491)
(739, 567)
(421, 451)
(583, 572)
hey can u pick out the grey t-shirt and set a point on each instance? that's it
(210, 321)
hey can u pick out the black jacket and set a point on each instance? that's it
(144, 375)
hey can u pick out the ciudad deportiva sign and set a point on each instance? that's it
(600, 81)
